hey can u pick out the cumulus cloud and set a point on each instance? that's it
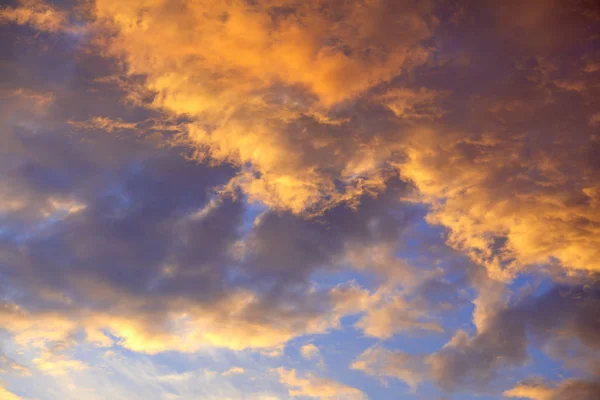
(316, 387)
(203, 174)
(36, 13)
(267, 113)
(245, 116)
(473, 362)
(395, 315)
(569, 389)
(382, 363)
(126, 257)
(100, 277)
(310, 351)
(278, 67)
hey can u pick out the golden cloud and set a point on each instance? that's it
(317, 387)
(568, 389)
(496, 210)
(6, 395)
(247, 74)
(229, 323)
(317, 105)
(36, 13)
(310, 351)
(234, 371)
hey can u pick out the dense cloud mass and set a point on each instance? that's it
(336, 190)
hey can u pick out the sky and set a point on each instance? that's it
(299, 200)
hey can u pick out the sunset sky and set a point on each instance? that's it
(299, 199)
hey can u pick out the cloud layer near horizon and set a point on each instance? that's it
(181, 176)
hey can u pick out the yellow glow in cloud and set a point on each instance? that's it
(414, 105)
(104, 124)
(505, 223)
(57, 365)
(226, 324)
(569, 389)
(247, 72)
(35, 329)
(36, 13)
(259, 81)
(6, 395)
(238, 48)
(530, 391)
(310, 351)
(316, 387)
(234, 371)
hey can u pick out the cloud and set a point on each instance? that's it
(8, 395)
(56, 365)
(533, 25)
(395, 315)
(234, 371)
(466, 361)
(290, 40)
(245, 116)
(36, 13)
(261, 55)
(182, 176)
(8, 365)
(282, 132)
(473, 362)
(123, 375)
(569, 389)
(410, 104)
(104, 124)
(274, 352)
(185, 327)
(310, 351)
(503, 232)
(117, 246)
(101, 278)
(316, 387)
(380, 362)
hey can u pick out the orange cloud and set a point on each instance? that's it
(36, 13)
(313, 106)
(187, 327)
(316, 387)
(336, 51)
(497, 212)
(266, 85)
(570, 389)
(248, 74)
(530, 391)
